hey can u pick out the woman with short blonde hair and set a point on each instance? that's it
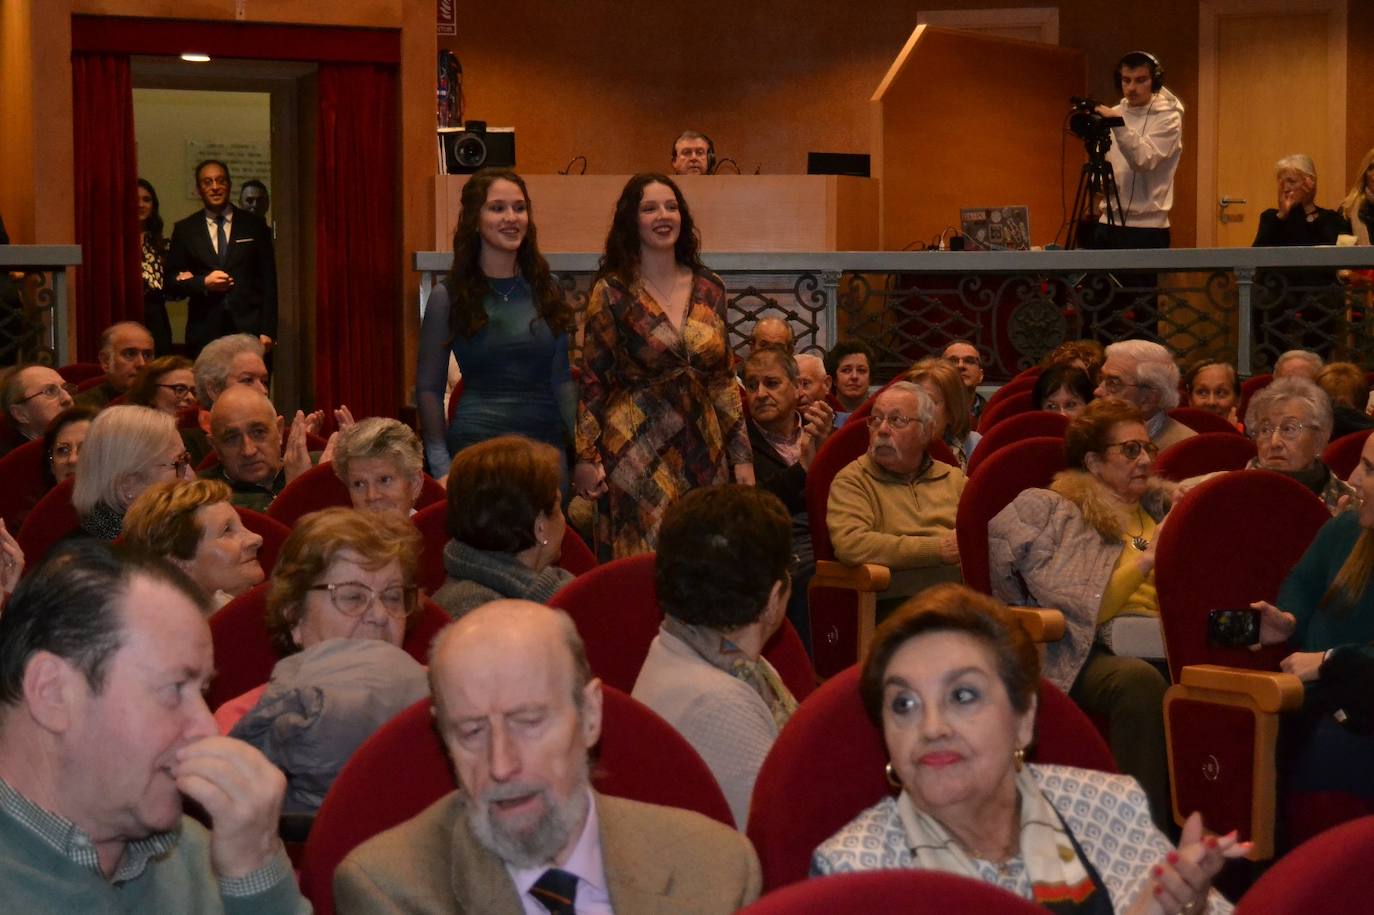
(127, 449)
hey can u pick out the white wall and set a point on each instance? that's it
(176, 128)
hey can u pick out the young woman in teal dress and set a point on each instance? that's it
(502, 315)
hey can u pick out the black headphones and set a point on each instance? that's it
(1141, 59)
(710, 152)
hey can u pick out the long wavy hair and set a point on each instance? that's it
(1355, 197)
(621, 257)
(153, 225)
(467, 284)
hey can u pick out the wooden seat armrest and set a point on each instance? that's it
(1270, 691)
(1042, 624)
(866, 577)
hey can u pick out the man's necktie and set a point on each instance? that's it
(222, 239)
(556, 890)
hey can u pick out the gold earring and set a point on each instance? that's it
(1018, 756)
(891, 774)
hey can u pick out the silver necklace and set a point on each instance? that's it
(504, 296)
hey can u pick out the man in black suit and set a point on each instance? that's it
(221, 258)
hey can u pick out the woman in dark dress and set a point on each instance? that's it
(154, 248)
(503, 317)
(660, 409)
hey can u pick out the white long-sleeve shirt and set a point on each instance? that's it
(1144, 155)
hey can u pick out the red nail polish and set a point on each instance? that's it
(1172, 857)
(1159, 891)
(1157, 872)
(1211, 841)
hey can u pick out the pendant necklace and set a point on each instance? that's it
(510, 291)
(1140, 541)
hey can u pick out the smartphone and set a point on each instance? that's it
(1234, 628)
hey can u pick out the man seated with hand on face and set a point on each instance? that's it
(518, 710)
(895, 505)
(103, 729)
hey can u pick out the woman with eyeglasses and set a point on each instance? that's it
(342, 596)
(1086, 546)
(127, 450)
(63, 439)
(1290, 421)
(165, 384)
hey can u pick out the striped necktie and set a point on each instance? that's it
(555, 890)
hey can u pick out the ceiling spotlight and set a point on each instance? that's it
(195, 57)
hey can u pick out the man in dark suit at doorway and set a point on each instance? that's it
(221, 258)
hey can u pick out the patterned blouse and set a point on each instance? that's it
(1108, 815)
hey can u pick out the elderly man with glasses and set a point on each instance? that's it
(895, 505)
(30, 396)
(1144, 374)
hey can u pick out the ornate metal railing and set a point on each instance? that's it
(33, 302)
(1245, 305)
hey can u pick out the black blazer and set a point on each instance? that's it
(251, 306)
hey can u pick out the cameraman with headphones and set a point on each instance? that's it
(1144, 154)
(693, 154)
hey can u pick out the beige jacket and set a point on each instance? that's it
(879, 517)
(657, 860)
(1057, 547)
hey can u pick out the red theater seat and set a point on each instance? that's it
(1327, 873)
(24, 472)
(827, 766)
(1222, 714)
(320, 487)
(1015, 428)
(1202, 421)
(403, 768)
(616, 611)
(910, 892)
(1342, 455)
(1208, 452)
(243, 648)
(50, 520)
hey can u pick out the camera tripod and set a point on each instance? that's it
(1096, 178)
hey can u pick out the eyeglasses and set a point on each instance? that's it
(1113, 385)
(179, 390)
(895, 420)
(1131, 450)
(62, 451)
(216, 180)
(178, 464)
(964, 360)
(53, 391)
(352, 598)
(1288, 430)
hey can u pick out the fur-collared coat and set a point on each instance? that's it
(1057, 547)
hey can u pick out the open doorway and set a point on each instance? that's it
(259, 117)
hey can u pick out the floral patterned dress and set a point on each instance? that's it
(659, 406)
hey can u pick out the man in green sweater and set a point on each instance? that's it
(103, 729)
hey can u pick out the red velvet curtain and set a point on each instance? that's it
(109, 285)
(358, 299)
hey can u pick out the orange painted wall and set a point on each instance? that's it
(769, 81)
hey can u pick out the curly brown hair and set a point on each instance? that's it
(377, 539)
(466, 283)
(620, 260)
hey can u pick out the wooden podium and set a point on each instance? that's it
(733, 212)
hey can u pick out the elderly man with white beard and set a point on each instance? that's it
(895, 505)
(518, 711)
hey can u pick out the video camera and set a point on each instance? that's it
(1086, 123)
